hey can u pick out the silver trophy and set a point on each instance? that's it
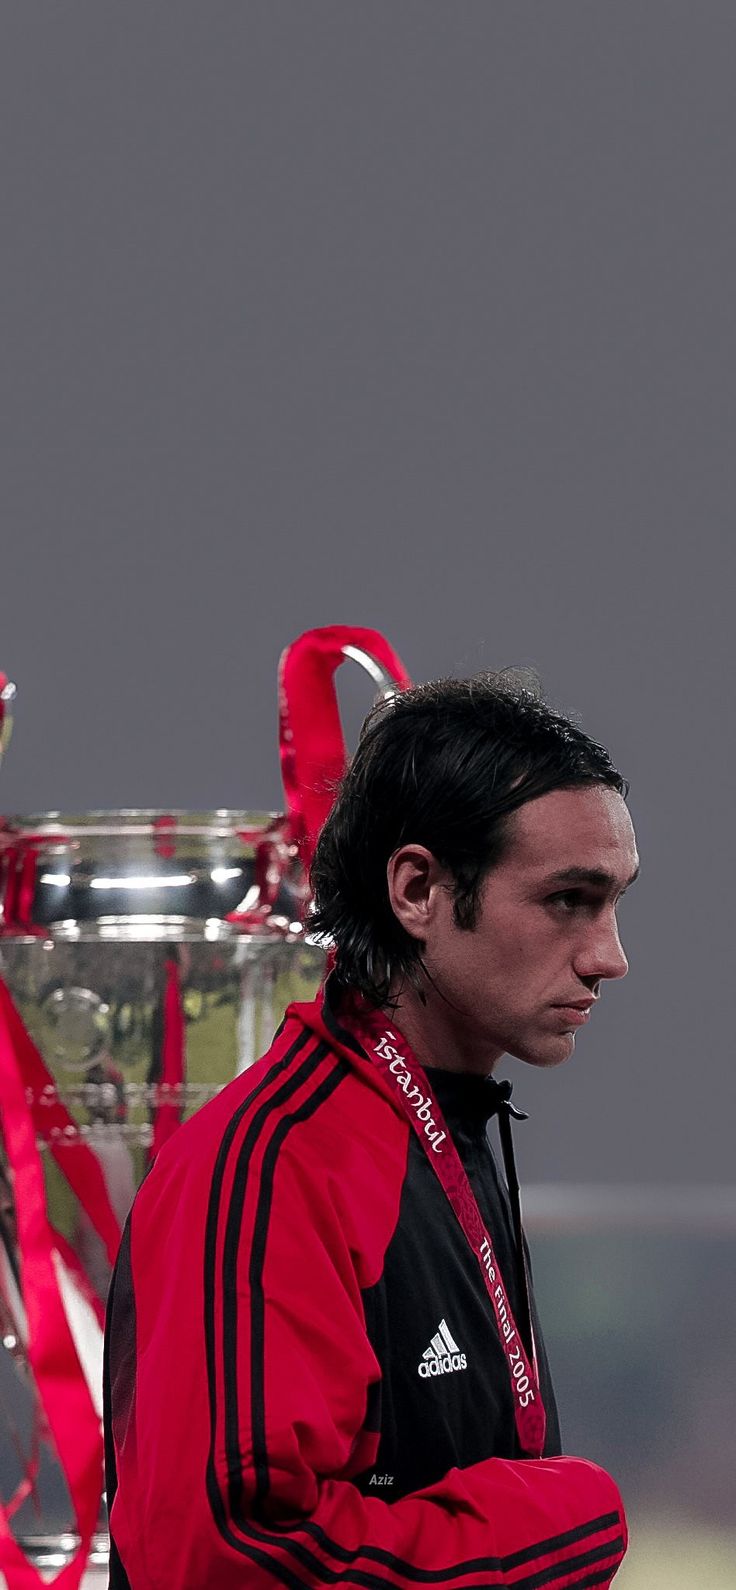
(146, 957)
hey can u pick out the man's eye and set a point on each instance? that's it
(568, 900)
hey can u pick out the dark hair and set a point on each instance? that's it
(441, 765)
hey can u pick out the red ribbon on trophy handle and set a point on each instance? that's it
(312, 746)
(18, 866)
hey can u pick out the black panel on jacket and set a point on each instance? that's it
(432, 1283)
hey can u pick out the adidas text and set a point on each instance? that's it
(442, 1366)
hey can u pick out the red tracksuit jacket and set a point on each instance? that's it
(288, 1271)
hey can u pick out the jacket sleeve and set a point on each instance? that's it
(296, 1372)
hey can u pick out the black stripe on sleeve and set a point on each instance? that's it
(322, 1574)
(558, 1542)
(213, 1216)
(551, 1574)
(229, 1264)
(258, 1251)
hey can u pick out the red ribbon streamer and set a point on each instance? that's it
(52, 1355)
(168, 1106)
(79, 1276)
(55, 1126)
(313, 754)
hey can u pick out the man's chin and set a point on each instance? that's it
(551, 1050)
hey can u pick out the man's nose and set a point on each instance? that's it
(604, 955)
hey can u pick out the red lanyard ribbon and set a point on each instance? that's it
(391, 1055)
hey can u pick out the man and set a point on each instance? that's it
(324, 1365)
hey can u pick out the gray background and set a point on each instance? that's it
(406, 314)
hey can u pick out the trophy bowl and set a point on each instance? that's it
(108, 920)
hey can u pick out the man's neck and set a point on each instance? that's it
(438, 1035)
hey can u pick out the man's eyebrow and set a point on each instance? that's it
(597, 876)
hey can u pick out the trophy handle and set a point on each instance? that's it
(312, 746)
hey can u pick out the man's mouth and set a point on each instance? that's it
(577, 1015)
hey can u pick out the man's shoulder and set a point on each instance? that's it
(306, 1129)
(322, 1102)
(289, 1059)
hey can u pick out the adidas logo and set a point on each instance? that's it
(443, 1354)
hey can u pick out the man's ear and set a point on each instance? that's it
(415, 883)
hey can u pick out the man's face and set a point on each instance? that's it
(546, 934)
